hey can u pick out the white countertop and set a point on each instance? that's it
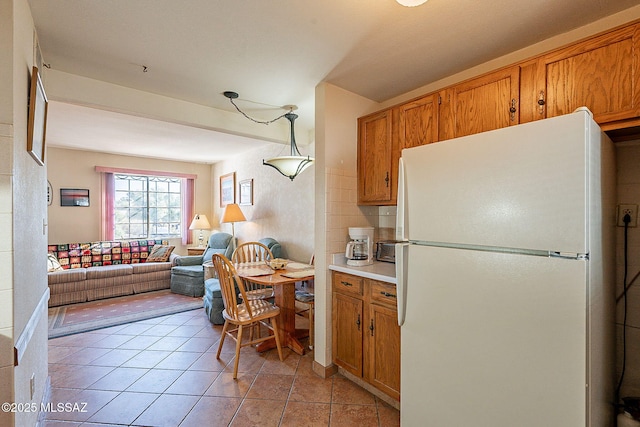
(382, 271)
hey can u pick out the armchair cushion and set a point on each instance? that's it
(274, 247)
(189, 260)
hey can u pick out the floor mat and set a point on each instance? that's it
(89, 316)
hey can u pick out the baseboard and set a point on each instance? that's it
(371, 389)
(324, 371)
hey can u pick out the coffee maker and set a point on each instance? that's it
(360, 249)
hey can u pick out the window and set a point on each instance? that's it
(147, 206)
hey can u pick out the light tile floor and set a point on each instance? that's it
(164, 372)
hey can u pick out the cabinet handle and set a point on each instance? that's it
(387, 294)
(358, 322)
(513, 109)
(386, 179)
(346, 283)
(541, 102)
(371, 327)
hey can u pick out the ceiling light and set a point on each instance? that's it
(411, 3)
(289, 166)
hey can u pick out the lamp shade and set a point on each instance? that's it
(232, 213)
(200, 222)
(411, 3)
(289, 166)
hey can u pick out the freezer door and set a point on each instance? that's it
(493, 339)
(519, 187)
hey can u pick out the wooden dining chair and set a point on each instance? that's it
(306, 297)
(253, 252)
(248, 314)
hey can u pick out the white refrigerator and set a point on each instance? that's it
(505, 277)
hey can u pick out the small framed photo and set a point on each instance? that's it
(246, 192)
(37, 126)
(227, 189)
(74, 197)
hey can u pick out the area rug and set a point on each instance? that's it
(89, 316)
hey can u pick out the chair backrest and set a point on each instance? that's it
(276, 248)
(229, 282)
(219, 243)
(250, 252)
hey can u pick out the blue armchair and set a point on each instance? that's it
(274, 247)
(187, 277)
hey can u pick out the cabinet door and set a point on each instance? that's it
(479, 105)
(601, 74)
(374, 158)
(348, 323)
(418, 122)
(383, 336)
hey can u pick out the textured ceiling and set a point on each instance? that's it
(275, 52)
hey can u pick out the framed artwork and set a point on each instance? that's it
(245, 188)
(37, 126)
(227, 189)
(74, 197)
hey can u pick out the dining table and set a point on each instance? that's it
(283, 282)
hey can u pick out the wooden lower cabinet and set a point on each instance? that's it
(366, 335)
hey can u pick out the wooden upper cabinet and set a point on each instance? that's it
(601, 73)
(375, 175)
(418, 122)
(479, 105)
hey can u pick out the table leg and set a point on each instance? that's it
(285, 298)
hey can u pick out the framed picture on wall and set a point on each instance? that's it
(37, 125)
(246, 192)
(74, 197)
(227, 189)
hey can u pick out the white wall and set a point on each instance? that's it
(23, 286)
(337, 112)
(76, 169)
(628, 159)
(282, 209)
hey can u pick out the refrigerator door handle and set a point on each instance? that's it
(401, 232)
(401, 280)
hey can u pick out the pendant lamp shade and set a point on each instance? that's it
(411, 3)
(290, 166)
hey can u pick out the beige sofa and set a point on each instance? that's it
(88, 281)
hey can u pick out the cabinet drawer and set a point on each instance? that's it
(384, 293)
(346, 283)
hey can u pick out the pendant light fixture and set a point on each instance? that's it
(289, 166)
(411, 3)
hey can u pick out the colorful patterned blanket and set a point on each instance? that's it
(94, 254)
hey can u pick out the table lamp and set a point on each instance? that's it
(232, 214)
(200, 222)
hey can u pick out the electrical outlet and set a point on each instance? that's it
(632, 210)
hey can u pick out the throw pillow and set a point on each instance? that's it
(160, 253)
(52, 263)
